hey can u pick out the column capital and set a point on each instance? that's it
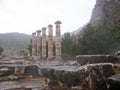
(38, 32)
(34, 33)
(44, 28)
(58, 22)
(50, 25)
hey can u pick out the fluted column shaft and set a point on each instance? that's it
(58, 40)
(34, 44)
(50, 42)
(44, 43)
(38, 42)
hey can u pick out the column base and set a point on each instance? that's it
(51, 58)
(44, 58)
(36, 57)
(58, 58)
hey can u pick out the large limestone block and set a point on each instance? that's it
(98, 58)
(88, 77)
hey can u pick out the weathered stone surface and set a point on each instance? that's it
(20, 74)
(38, 42)
(18, 68)
(75, 63)
(9, 77)
(58, 40)
(4, 71)
(44, 43)
(31, 71)
(60, 75)
(24, 84)
(50, 42)
(91, 59)
(114, 82)
(91, 76)
(34, 44)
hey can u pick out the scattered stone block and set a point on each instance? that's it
(31, 70)
(5, 70)
(100, 58)
(19, 70)
(114, 82)
(91, 76)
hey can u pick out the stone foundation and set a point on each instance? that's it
(88, 77)
(91, 59)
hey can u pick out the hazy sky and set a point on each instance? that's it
(27, 16)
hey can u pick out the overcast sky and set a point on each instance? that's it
(27, 16)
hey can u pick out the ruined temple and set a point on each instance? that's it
(42, 46)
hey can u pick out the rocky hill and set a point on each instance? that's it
(14, 42)
(75, 32)
(106, 10)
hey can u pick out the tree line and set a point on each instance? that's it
(100, 39)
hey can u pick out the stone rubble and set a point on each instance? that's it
(113, 82)
(90, 77)
(54, 75)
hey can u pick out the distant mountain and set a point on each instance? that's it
(76, 31)
(13, 43)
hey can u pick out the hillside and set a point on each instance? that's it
(75, 32)
(14, 42)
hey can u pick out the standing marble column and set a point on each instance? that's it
(50, 42)
(44, 43)
(34, 44)
(58, 40)
(38, 42)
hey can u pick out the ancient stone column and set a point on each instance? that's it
(34, 44)
(50, 42)
(38, 42)
(58, 40)
(44, 43)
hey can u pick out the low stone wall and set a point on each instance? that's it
(91, 59)
(88, 77)
(17, 72)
